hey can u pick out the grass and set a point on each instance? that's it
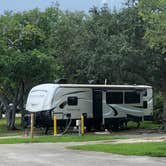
(155, 149)
(5, 132)
(65, 138)
(144, 125)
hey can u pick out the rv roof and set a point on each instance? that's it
(105, 86)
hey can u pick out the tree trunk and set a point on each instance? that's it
(3, 105)
(0, 114)
(12, 111)
(164, 112)
(19, 101)
(11, 117)
(22, 104)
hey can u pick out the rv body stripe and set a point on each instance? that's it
(115, 111)
(137, 106)
(74, 93)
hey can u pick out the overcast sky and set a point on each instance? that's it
(72, 5)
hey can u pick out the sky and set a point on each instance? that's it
(72, 5)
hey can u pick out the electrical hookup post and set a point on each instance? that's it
(55, 124)
(80, 125)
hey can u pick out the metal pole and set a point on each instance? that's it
(32, 125)
(55, 125)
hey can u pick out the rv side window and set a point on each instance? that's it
(132, 97)
(72, 101)
(114, 98)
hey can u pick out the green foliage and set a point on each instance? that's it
(158, 108)
(155, 149)
(26, 66)
(158, 102)
(143, 125)
(99, 45)
(40, 46)
(154, 13)
(23, 56)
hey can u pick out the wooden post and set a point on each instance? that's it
(32, 125)
(55, 125)
(82, 125)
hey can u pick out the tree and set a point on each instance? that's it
(113, 42)
(38, 46)
(153, 13)
(99, 46)
(23, 61)
(20, 72)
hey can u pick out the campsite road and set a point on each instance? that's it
(54, 154)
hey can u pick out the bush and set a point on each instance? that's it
(158, 108)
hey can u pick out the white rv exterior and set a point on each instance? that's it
(101, 102)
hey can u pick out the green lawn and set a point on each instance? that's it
(5, 132)
(155, 149)
(144, 125)
(64, 138)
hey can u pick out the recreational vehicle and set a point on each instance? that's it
(108, 106)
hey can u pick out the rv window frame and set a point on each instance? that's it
(108, 100)
(75, 98)
(132, 102)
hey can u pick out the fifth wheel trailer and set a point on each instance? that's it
(108, 106)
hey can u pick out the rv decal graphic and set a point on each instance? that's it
(115, 111)
(74, 93)
(137, 106)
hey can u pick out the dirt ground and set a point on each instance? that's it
(131, 135)
(138, 135)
